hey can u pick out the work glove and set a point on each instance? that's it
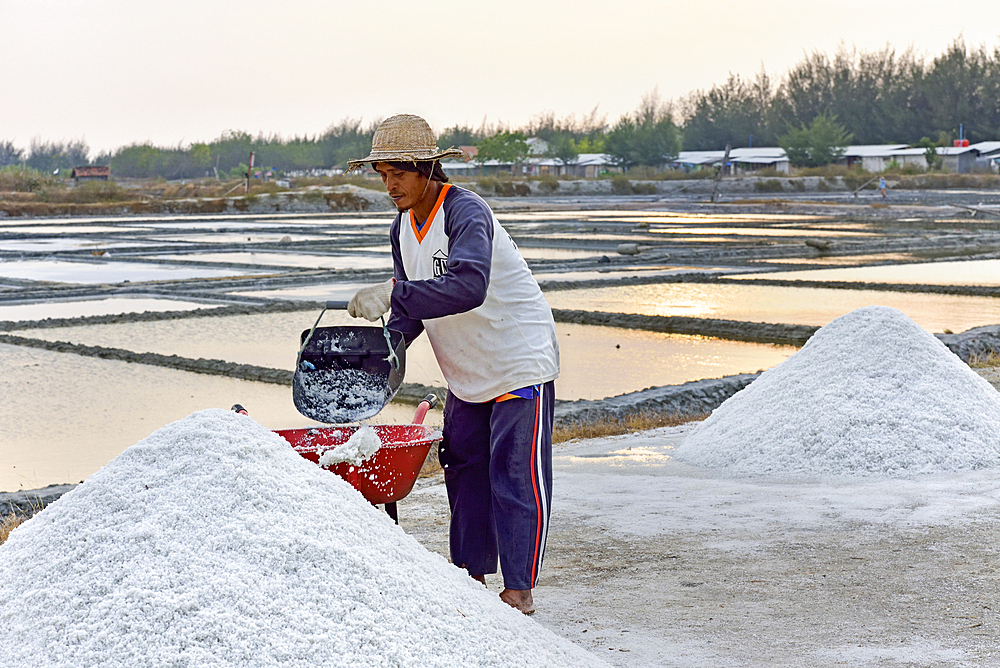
(371, 303)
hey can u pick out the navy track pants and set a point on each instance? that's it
(497, 459)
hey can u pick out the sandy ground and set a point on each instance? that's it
(654, 563)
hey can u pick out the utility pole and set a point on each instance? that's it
(246, 189)
(718, 175)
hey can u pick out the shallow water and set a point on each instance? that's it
(352, 261)
(110, 306)
(596, 362)
(65, 416)
(63, 243)
(962, 272)
(236, 238)
(61, 271)
(755, 231)
(793, 306)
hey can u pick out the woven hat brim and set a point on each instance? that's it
(405, 156)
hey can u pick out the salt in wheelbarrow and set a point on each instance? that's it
(390, 473)
(346, 374)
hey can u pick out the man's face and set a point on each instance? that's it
(405, 188)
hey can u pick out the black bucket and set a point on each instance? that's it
(346, 374)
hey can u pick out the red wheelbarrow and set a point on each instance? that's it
(390, 473)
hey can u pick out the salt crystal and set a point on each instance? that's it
(871, 393)
(357, 449)
(212, 543)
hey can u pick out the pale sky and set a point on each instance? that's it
(116, 72)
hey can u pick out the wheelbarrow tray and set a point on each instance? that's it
(389, 474)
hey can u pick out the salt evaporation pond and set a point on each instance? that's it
(109, 306)
(212, 543)
(640, 359)
(65, 271)
(869, 394)
(787, 305)
(353, 261)
(956, 272)
(65, 416)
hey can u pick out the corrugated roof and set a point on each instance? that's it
(90, 171)
(955, 150)
(987, 146)
(873, 150)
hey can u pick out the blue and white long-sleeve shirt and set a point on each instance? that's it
(461, 277)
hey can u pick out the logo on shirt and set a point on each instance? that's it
(440, 263)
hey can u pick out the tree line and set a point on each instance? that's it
(876, 96)
(865, 97)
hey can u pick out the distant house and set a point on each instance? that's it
(592, 166)
(872, 157)
(989, 155)
(741, 160)
(537, 146)
(958, 159)
(878, 157)
(90, 174)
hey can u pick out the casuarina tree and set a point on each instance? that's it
(821, 143)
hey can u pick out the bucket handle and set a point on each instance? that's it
(342, 306)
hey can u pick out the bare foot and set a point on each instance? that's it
(479, 578)
(519, 599)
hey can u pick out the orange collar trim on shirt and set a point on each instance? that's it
(421, 233)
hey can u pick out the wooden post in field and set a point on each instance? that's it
(718, 176)
(249, 173)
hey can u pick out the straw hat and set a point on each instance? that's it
(404, 138)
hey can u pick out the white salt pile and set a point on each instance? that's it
(212, 543)
(356, 450)
(869, 394)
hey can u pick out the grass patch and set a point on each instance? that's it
(615, 426)
(24, 179)
(833, 171)
(768, 186)
(939, 181)
(548, 184)
(988, 360)
(89, 192)
(9, 523)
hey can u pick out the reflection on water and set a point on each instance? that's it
(64, 243)
(65, 416)
(110, 306)
(309, 293)
(67, 229)
(654, 216)
(235, 238)
(355, 261)
(556, 253)
(588, 354)
(793, 306)
(644, 456)
(757, 231)
(108, 272)
(962, 272)
(595, 274)
(842, 259)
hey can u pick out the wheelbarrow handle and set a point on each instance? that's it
(428, 402)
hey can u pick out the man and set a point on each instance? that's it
(459, 276)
